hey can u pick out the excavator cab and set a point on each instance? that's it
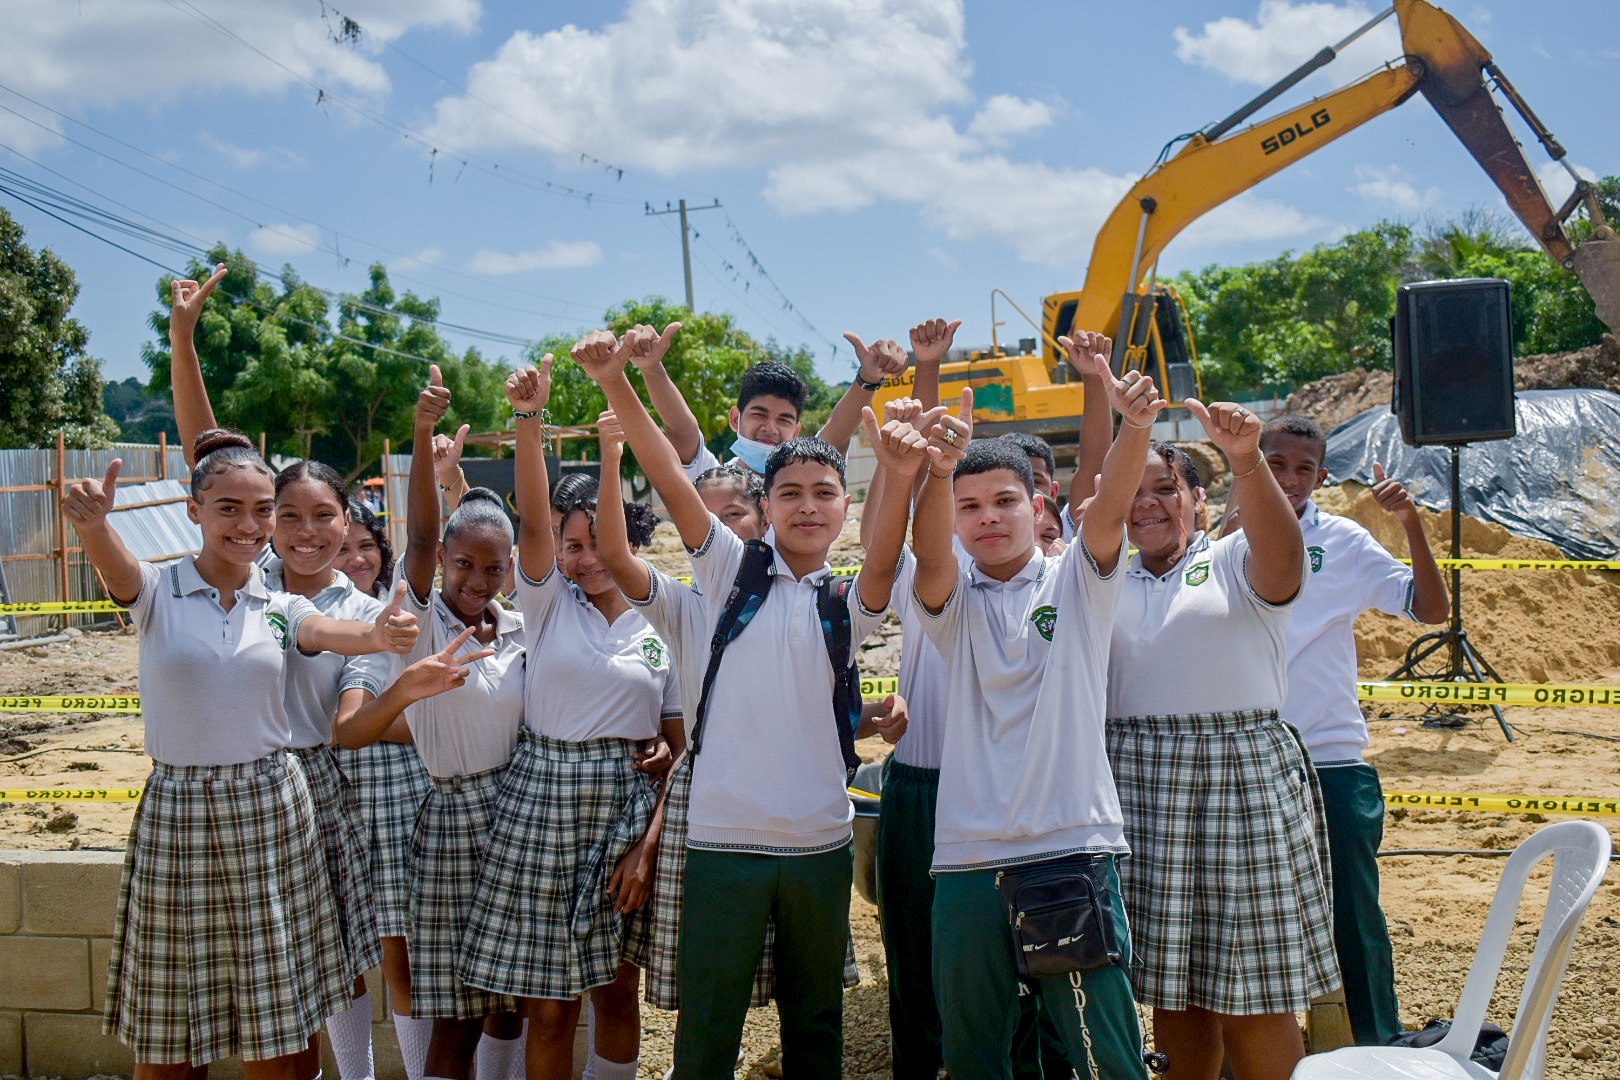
(1153, 338)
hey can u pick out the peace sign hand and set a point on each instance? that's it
(442, 671)
(89, 501)
(186, 302)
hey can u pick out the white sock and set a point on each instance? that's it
(350, 1035)
(493, 1060)
(591, 1059)
(615, 1070)
(520, 1064)
(414, 1032)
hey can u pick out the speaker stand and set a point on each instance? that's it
(1463, 661)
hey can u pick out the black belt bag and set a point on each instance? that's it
(1061, 915)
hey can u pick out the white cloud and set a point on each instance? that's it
(1004, 118)
(428, 256)
(96, 53)
(1283, 35)
(285, 239)
(1392, 186)
(557, 255)
(250, 157)
(1248, 219)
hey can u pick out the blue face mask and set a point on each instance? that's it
(752, 454)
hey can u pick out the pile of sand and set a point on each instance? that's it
(1332, 400)
(1532, 625)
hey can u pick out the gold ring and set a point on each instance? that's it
(949, 436)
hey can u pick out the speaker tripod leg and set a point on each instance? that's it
(1475, 662)
(1419, 652)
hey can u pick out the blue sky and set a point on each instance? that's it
(884, 160)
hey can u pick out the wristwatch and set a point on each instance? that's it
(864, 385)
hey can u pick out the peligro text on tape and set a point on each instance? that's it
(86, 703)
(132, 794)
(59, 607)
(1472, 693)
(876, 687)
(1511, 804)
(1525, 564)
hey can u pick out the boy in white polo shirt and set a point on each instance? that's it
(770, 820)
(1350, 573)
(1024, 779)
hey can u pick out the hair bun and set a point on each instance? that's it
(220, 439)
(484, 494)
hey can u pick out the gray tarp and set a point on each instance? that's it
(1557, 480)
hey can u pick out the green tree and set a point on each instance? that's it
(48, 383)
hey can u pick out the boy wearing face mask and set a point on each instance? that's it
(770, 401)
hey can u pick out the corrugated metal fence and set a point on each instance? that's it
(38, 565)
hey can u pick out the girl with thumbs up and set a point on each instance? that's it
(227, 939)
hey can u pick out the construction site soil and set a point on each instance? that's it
(1533, 625)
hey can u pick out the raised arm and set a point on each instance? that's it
(902, 451)
(934, 519)
(529, 389)
(1138, 403)
(1096, 418)
(1430, 601)
(930, 344)
(447, 466)
(87, 505)
(1268, 518)
(680, 425)
(877, 362)
(612, 537)
(603, 358)
(193, 413)
(907, 410)
(422, 493)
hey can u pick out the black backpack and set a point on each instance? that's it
(748, 592)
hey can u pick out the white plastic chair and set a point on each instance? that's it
(1580, 851)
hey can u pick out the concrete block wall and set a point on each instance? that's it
(56, 925)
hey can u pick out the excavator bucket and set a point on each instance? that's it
(1597, 264)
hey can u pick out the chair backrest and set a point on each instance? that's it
(1580, 851)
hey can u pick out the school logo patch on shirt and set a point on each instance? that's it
(1317, 555)
(1198, 573)
(652, 651)
(1045, 620)
(278, 629)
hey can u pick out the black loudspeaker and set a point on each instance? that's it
(1453, 345)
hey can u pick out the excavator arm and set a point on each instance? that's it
(1441, 59)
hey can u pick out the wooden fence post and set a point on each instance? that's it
(61, 516)
(163, 455)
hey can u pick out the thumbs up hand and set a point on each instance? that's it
(434, 401)
(89, 501)
(395, 629)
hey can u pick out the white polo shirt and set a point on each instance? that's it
(1199, 639)
(1350, 573)
(587, 678)
(474, 727)
(210, 679)
(314, 683)
(770, 778)
(1025, 770)
(701, 462)
(924, 680)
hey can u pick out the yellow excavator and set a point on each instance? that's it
(1036, 390)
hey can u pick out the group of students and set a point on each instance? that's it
(1103, 711)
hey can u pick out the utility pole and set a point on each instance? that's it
(686, 243)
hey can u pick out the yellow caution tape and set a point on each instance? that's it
(57, 607)
(1472, 693)
(103, 703)
(873, 687)
(1526, 564)
(1511, 804)
(131, 794)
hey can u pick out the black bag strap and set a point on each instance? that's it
(748, 592)
(832, 605)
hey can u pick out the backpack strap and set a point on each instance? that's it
(748, 592)
(832, 604)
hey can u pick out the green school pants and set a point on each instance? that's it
(905, 891)
(730, 897)
(1354, 801)
(977, 984)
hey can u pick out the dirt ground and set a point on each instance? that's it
(1535, 626)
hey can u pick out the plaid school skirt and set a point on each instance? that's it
(656, 943)
(542, 925)
(344, 844)
(1227, 886)
(389, 783)
(447, 848)
(226, 940)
